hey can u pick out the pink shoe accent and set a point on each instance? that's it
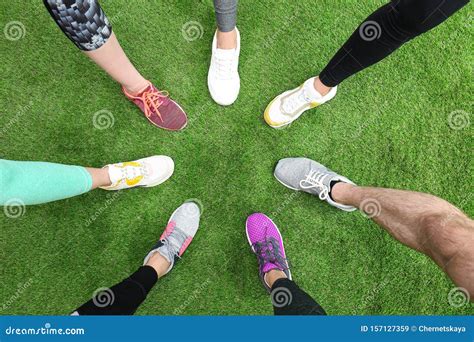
(185, 245)
(168, 230)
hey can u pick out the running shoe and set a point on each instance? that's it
(180, 231)
(159, 109)
(267, 244)
(289, 106)
(146, 172)
(223, 79)
(303, 174)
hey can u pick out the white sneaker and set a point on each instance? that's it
(289, 106)
(223, 79)
(146, 172)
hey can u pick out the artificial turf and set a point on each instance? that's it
(387, 127)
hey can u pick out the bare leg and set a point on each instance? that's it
(88, 27)
(227, 40)
(226, 17)
(100, 177)
(159, 264)
(320, 87)
(115, 62)
(422, 222)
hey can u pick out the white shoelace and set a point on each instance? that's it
(314, 179)
(172, 244)
(225, 66)
(132, 172)
(294, 102)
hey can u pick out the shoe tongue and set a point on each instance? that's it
(115, 174)
(310, 92)
(151, 88)
(225, 53)
(327, 181)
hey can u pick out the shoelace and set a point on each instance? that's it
(294, 102)
(132, 172)
(314, 179)
(172, 244)
(268, 251)
(224, 67)
(152, 100)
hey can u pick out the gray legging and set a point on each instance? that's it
(226, 14)
(86, 25)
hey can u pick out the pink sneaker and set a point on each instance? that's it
(267, 243)
(159, 109)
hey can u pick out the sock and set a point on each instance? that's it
(309, 90)
(331, 185)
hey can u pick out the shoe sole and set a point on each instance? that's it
(281, 239)
(286, 185)
(266, 114)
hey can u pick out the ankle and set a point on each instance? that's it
(100, 177)
(273, 275)
(341, 192)
(159, 264)
(320, 87)
(137, 88)
(226, 40)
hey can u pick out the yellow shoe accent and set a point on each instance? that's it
(132, 163)
(134, 181)
(266, 116)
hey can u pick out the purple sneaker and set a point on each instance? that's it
(267, 243)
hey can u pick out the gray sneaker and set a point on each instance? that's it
(182, 226)
(303, 174)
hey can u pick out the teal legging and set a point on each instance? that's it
(28, 182)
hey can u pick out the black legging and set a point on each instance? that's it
(383, 32)
(125, 297)
(288, 299)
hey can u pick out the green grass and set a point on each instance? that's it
(387, 127)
